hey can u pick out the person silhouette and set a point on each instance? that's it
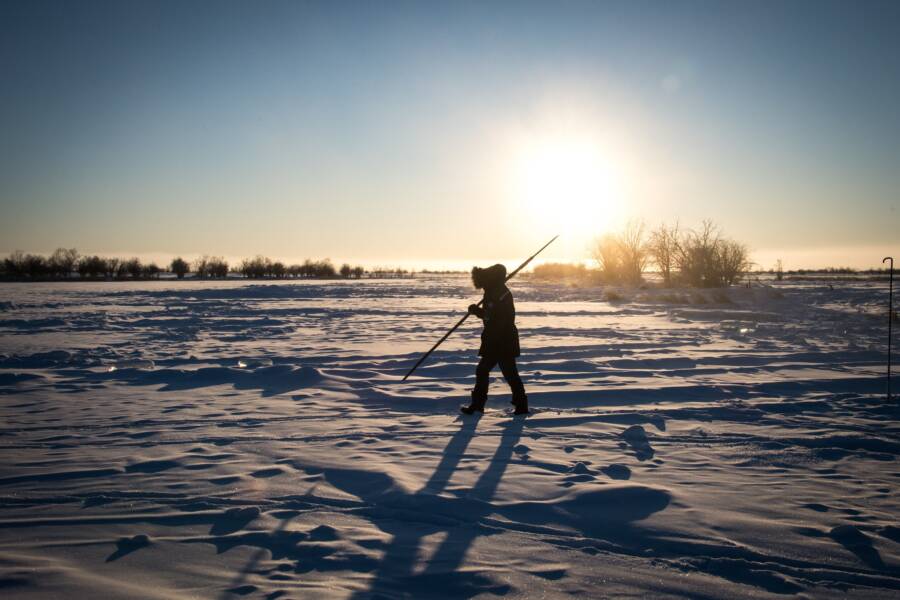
(499, 339)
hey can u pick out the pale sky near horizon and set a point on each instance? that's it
(425, 135)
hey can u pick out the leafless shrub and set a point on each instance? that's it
(607, 252)
(695, 256)
(623, 256)
(705, 259)
(731, 261)
(558, 271)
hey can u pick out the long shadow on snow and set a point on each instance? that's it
(277, 379)
(606, 513)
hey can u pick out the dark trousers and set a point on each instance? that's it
(510, 374)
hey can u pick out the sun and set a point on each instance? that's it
(565, 184)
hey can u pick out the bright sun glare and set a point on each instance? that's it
(566, 185)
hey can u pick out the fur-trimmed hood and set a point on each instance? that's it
(490, 277)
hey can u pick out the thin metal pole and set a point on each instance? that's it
(480, 302)
(890, 320)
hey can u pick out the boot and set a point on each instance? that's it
(521, 404)
(477, 405)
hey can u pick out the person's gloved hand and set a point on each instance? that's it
(473, 309)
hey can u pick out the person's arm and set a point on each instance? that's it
(476, 310)
(504, 313)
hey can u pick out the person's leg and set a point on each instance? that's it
(482, 380)
(511, 374)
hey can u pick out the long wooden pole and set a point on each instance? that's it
(466, 316)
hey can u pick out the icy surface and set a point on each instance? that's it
(214, 440)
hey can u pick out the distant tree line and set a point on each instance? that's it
(64, 263)
(67, 263)
(389, 273)
(261, 267)
(831, 271)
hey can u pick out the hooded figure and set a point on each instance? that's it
(499, 339)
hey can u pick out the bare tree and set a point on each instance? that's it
(14, 264)
(257, 267)
(112, 267)
(346, 270)
(217, 267)
(324, 268)
(705, 258)
(731, 262)
(634, 251)
(123, 270)
(662, 247)
(150, 271)
(91, 267)
(607, 251)
(35, 266)
(62, 262)
(696, 255)
(201, 267)
(180, 267)
(133, 267)
(622, 256)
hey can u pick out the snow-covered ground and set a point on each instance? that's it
(210, 440)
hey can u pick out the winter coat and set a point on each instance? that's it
(500, 338)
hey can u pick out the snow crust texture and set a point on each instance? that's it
(232, 439)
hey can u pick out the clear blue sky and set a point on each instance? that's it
(394, 132)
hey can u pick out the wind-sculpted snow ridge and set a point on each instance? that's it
(235, 439)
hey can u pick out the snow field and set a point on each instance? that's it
(232, 439)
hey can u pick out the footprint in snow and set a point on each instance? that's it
(636, 439)
(617, 471)
(127, 545)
